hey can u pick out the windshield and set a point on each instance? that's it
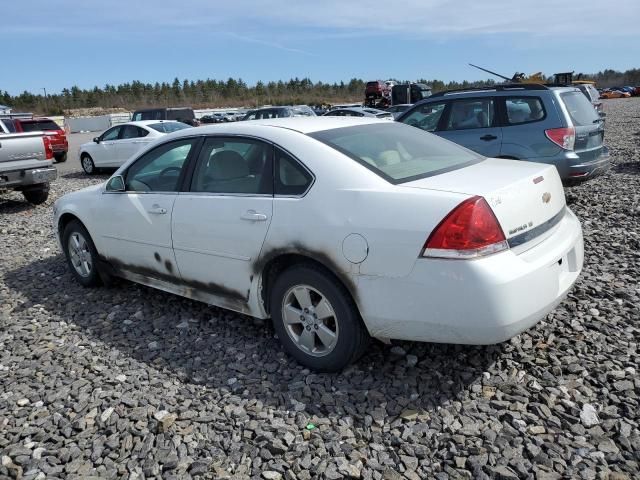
(580, 109)
(396, 152)
(39, 126)
(168, 127)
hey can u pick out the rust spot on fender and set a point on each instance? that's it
(168, 265)
(157, 257)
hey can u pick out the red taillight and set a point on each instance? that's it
(48, 151)
(469, 230)
(563, 137)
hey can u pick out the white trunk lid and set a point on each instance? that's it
(527, 198)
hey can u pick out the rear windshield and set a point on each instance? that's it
(168, 127)
(580, 109)
(371, 84)
(39, 126)
(397, 152)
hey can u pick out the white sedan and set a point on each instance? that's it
(116, 145)
(339, 229)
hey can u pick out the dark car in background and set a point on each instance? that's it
(54, 132)
(554, 125)
(279, 112)
(181, 114)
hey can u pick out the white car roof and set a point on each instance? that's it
(298, 124)
(143, 123)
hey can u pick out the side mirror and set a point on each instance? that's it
(116, 184)
(96, 139)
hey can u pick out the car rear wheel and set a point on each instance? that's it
(87, 164)
(81, 254)
(61, 157)
(37, 195)
(316, 319)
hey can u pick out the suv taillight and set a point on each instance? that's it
(470, 230)
(48, 151)
(563, 137)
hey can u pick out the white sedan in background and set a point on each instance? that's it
(116, 145)
(339, 229)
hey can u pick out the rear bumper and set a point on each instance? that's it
(482, 301)
(572, 167)
(25, 178)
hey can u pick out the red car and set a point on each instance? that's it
(52, 130)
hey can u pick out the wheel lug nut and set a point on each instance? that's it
(315, 326)
(302, 317)
(308, 328)
(306, 310)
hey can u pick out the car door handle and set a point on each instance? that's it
(253, 216)
(488, 138)
(157, 210)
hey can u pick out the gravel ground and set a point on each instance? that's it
(128, 382)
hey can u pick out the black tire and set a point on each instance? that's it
(87, 164)
(93, 277)
(352, 336)
(61, 157)
(37, 195)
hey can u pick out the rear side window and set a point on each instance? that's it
(168, 127)
(471, 113)
(524, 110)
(40, 125)
(291, 177)
(425, 117)
(398, 153)
(580, 109)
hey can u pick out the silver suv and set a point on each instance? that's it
(555, 125)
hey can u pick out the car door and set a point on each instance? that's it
(472, 123)
(134, 231)
(104, 153)
(132, 139)
(220, 224)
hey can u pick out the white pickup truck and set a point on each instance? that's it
(26, 165)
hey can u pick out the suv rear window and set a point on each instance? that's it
(580, 109)
(40, 125)
(396, 152)
(181, 114)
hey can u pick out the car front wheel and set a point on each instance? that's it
(316, 320)
(81, 254)
(87, 164)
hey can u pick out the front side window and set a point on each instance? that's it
(291, 178)
(159, 169)
(471, 113)
(524, 110)
(111, 134)
(426, 117)
(398, 153)
(234, 166)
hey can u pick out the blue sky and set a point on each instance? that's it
(57, 44)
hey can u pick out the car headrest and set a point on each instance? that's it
(227, 165)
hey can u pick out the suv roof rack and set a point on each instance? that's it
(498, 88)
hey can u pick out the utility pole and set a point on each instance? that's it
(45, 98)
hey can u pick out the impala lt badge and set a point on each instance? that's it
(546, 197)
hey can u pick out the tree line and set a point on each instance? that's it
(234, 92)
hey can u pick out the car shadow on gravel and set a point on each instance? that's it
(236, 354)
(9, 206)
(105, 174)
(627, 167)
